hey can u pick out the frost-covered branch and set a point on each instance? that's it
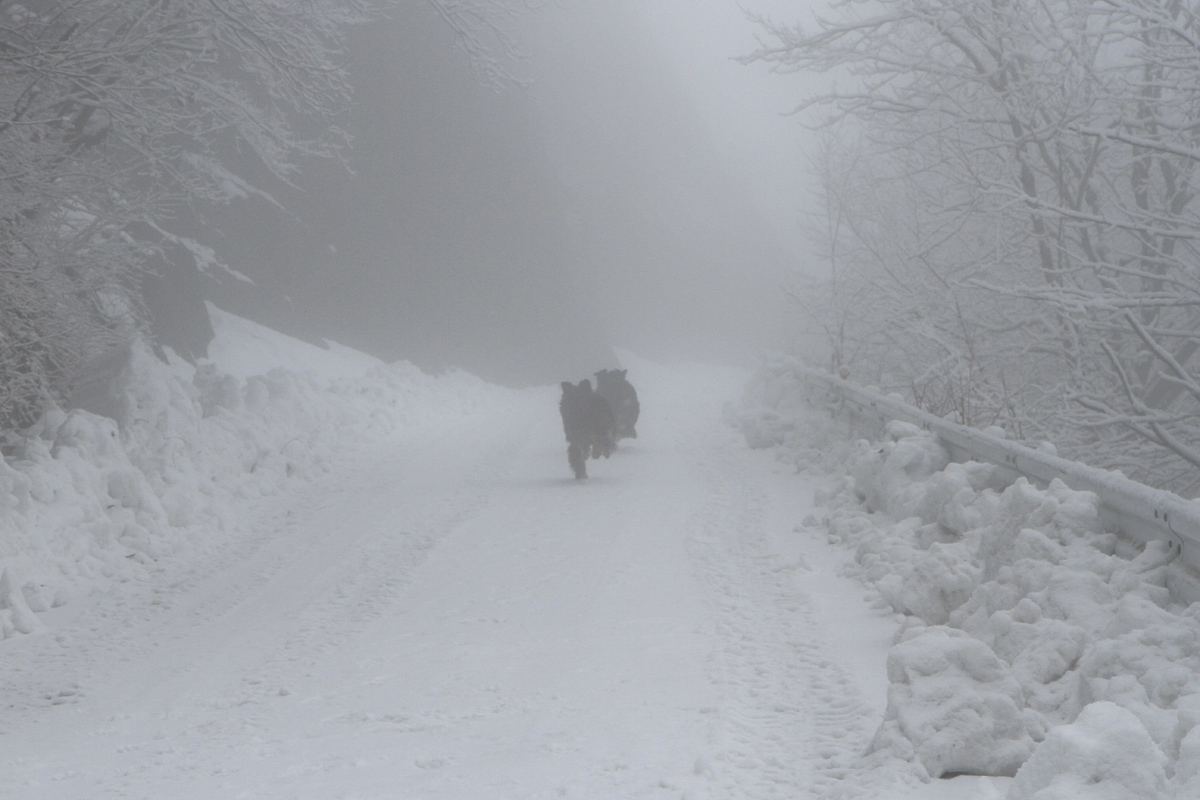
(1018, 229)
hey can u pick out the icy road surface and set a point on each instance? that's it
(449, 615)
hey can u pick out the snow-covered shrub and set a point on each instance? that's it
(1023, 578)
(772, 402)
(765, 428)
(890, 477)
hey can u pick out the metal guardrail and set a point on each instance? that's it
(1140, 512)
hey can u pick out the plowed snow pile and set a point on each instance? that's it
(86, 502)
(1034, 643)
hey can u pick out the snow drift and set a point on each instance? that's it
(88, 501)
(1034, 642)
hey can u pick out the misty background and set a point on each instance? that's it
(640, 190)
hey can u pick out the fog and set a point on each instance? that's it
(641, 190)
(686, 244)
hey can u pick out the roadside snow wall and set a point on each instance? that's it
(88, 501)
(1034, 641)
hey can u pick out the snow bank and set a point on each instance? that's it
(244, 349)
(1033, 640)
(87, 501)
(953, 705)
(1105, 754)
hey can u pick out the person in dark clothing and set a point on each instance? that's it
(588, 424)
(622, 398)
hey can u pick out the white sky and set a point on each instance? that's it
(746, 105)
(678, 267)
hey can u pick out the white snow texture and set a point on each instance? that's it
(1034, 642)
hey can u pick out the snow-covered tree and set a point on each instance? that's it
(1022, 209)
(113, 113)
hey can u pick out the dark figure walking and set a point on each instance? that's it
(622, 399)
(588, 423)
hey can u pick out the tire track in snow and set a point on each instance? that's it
(793, 723)
(371, 581)
(216, 628)
(359, 589)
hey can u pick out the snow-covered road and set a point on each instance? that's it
(449, 615)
